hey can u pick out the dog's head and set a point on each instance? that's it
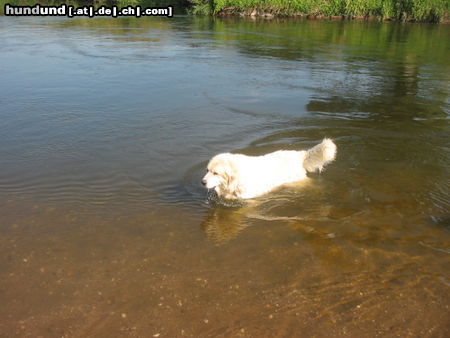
(222, 176)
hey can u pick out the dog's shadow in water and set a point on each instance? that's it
(311, 224)
(226, 219)
(223, 222)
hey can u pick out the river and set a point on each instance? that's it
(106, 127)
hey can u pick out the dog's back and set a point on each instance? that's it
(251, 176)
(259, 174)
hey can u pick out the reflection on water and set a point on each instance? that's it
(106, 129)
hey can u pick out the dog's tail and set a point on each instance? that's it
(320, 155)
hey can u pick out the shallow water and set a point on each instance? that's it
(107, 126)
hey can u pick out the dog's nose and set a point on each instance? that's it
(203, 181)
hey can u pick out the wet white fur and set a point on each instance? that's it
(237, 176)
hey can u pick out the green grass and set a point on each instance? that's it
(202, 7)
(416, 10)
(402, 10)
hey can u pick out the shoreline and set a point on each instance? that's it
(262, 13)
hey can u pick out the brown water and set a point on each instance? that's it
(106, 127)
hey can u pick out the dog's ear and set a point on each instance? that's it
(232, 178)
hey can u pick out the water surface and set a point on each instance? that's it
(107, 126)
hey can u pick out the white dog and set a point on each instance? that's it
(237, 176)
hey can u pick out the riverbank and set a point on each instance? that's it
(436, 11)
(391, 10)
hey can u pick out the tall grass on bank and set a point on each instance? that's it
(416, 10)
(203, 7)
(403, 10)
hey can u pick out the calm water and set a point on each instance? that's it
(106, 126)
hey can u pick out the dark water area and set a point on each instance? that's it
(106, 126)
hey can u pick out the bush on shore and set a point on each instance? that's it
(404, 10)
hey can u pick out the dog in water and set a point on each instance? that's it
(238, 176)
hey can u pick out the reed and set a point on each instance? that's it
(401, 10)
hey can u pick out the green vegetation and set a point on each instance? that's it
(405, 10)
(143, 3)
(204, 7)
(401, 10)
